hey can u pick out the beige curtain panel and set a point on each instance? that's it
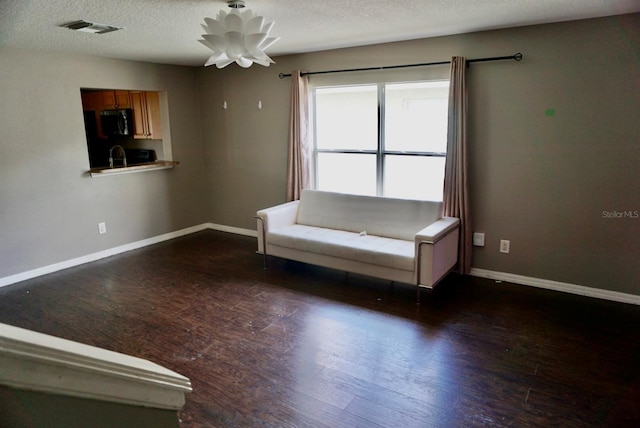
(456, 193)
(300, 150)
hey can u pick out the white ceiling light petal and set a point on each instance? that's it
(215, 42)
(223, 63)
(244, 62)
(255, 25)
(211, 26)
(266, 28)
(268, 42)
(217, 58)
(207, 44)
(265, 60)
(235, 44)
(233, 22)
(240, 37)
(253, 41)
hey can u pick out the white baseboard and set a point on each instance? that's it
(23, 276)
(482, 273)
(558, 286)
(231, 229)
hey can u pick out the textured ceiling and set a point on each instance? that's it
(166, 31)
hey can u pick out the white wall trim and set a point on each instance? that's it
(40, 362)
(231, 229)
(557, 286)
(482, 273)
(23, 276)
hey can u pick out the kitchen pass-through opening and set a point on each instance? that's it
(125, 128)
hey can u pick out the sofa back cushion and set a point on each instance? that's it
(388, 217)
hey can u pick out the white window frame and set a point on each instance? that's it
(381, 152)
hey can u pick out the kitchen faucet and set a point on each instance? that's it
(124, 156)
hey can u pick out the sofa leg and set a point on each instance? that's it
(392, 288)
(264, 240)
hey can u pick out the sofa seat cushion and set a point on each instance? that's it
(377, 250)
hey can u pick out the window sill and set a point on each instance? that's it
(152, 166)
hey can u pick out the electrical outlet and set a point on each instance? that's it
(102, 228)
(504, 246)
(478, 239)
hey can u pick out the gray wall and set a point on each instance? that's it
(49, 207)
(31, 409)
(540, 181)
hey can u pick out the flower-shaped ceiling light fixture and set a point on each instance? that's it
(237, 36)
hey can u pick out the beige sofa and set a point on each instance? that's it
(378, 237)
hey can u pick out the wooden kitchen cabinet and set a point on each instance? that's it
(93, 102)
(115, 100)
(146, 115)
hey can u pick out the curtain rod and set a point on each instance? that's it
(516, 57)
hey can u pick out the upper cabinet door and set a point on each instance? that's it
(115, 100)
(93, 102)
(146, 115)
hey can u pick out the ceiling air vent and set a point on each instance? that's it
(90, 27)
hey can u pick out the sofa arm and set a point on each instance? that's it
(279, 216)
(437, 230)
(436, 251)
(273, 218)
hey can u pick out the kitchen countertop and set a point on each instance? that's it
(151, 166)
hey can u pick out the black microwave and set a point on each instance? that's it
(116, 122)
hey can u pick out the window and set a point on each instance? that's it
(386, 139)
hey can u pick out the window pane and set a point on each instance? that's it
(347, 173)
(414, 177)
(347, 118)
(416, 116)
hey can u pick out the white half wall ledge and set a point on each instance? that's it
(564, 287)
(39, 362)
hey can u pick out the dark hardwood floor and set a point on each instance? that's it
(300, 346)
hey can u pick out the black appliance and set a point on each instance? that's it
(138, 156)
(117, 123)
